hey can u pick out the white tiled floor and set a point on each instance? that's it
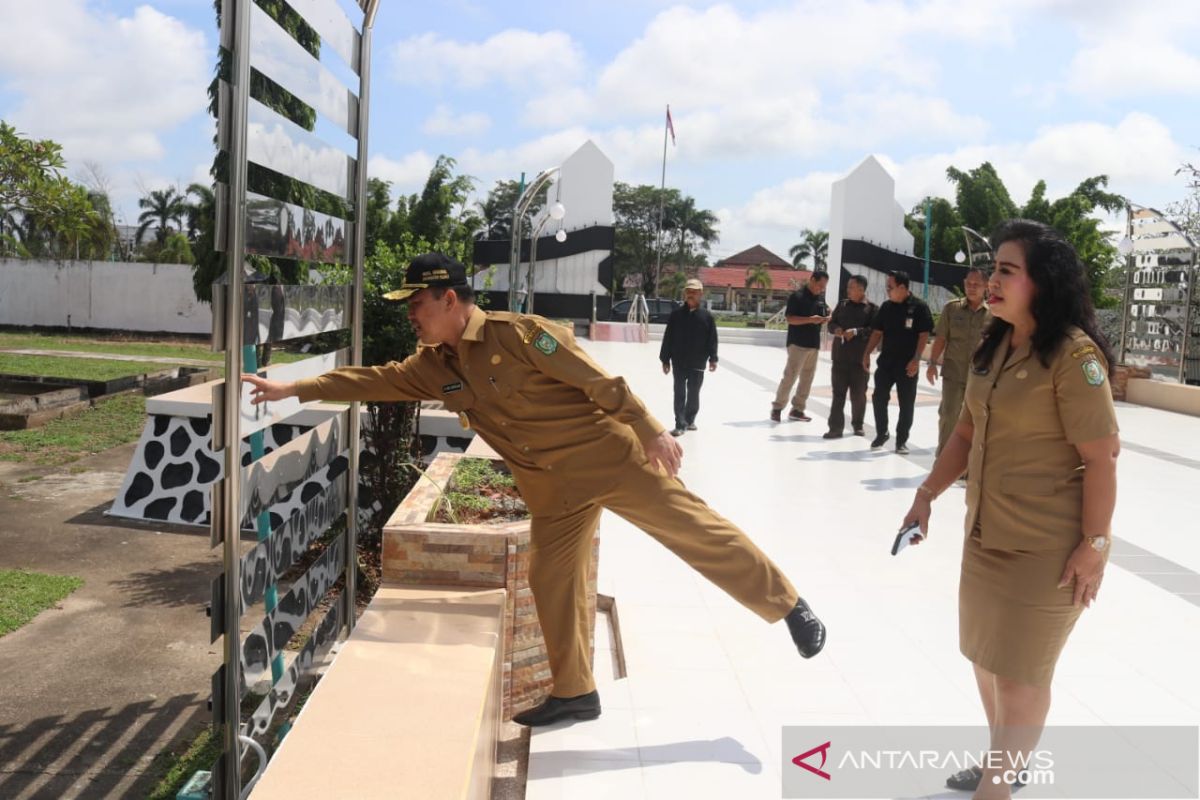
(710, 685)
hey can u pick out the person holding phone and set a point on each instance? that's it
(1038, 432)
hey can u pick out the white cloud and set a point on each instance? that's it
(1143, 67)
(406, 175)
(1139, 154)
(517, 58)
(106, 87)
(443, 122)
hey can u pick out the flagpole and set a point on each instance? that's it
(662, 197)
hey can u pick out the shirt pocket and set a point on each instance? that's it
(1028, 485)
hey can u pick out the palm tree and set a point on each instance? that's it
(814, 245)
(197, 212)
(672, 284)
(758, 276)
(162, 206)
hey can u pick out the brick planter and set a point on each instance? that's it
(418, 552)
(1120, 379)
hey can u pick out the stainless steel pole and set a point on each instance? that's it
(1128, 279)
(231, 535)
(356, 334)
(1187, 316)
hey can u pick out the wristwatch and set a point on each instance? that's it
(1098, 543)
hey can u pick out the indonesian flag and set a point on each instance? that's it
(670, 126)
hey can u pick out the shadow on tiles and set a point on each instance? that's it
(553, 763)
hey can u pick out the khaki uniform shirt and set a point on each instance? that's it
(564, 426)
(961, 328)
(1025, 490)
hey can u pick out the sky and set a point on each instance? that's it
(771, 101)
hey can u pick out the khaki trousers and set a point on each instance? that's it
(801, 366)
(948, 411)
(560, 550)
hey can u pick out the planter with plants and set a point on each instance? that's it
(464, 524)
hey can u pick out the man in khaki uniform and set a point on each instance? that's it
(577, 441)
(956, 336)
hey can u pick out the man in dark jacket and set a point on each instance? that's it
(688, 342)
(850, 326)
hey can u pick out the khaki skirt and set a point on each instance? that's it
(1012, 619)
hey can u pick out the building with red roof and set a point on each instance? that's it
(725, 282)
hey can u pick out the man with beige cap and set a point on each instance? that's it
(689, 341)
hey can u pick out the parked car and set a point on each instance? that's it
(659, 307)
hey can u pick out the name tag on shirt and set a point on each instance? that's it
(452, 387)
(908, 323)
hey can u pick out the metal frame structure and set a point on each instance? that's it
(252, 489)
(1129, 248)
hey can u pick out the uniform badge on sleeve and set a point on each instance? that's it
(546, 343)
(1093, 373)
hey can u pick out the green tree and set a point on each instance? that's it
(496, 210)
(30, 173)
(688, 232)
(812, 245)
(759, 276)
(161, 207)
(672, 284)
(693, 229)
(982, 201)
(175, 250)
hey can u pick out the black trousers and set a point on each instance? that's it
(687, 394)
(887, 376)
(852, 379)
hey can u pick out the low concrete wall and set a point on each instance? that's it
(1177, 397)
(110, 295)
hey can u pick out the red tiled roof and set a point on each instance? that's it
(754, 256)
(781, 279)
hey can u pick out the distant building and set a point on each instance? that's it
(725, 282)
(1158, 302)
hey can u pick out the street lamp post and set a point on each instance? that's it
(969, 257)
(555, 212)
(519, 210)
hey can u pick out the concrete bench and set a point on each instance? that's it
(410, 707)
(1177, 397)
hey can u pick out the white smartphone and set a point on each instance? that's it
(906, 536)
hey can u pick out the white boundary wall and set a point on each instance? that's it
(116, 295)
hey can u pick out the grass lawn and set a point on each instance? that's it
(24, 595)
(167, 351)
(84, 369)
(111, 422)
(182, 762)
(86, 344)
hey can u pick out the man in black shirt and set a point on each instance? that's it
(903, 323)
(689, 340)
(806, 312)
(850, 326)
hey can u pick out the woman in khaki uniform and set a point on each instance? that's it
(1038, 436)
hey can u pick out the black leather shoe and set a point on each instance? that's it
(859, 432)
(678, 431)
(583, 707)
(832, 435)
(807, 631)
(965, 781)
(691, 426)
(878, 441)
(968, 780)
